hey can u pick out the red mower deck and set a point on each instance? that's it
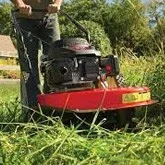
(97, 99)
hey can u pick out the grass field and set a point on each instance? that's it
(8, 92)
(56, 144)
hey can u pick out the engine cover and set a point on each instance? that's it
(71, 61)
(88, 68)
(69, 71)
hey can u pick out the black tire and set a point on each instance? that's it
(124, 118)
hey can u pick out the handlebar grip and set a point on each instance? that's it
(33, 10)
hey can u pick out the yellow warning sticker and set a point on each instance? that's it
(136, 97)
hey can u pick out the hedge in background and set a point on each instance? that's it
(99, 38)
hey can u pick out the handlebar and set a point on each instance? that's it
(77, 24)
(33, 10)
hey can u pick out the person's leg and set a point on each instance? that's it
(29, 71)
(49, 33)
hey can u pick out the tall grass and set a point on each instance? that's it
(35, 143)
(147, 71)
(136, 70)
(9, 103)
(41, 144)
(8, 92)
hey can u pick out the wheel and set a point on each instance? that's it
(124, 118)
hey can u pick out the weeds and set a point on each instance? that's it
(36, 143)
(59, 145)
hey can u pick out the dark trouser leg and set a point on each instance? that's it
(50, 32)
(29, 76)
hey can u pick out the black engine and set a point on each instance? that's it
(73, 62)
(72, 70)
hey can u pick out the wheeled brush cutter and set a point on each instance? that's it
(79, 81)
